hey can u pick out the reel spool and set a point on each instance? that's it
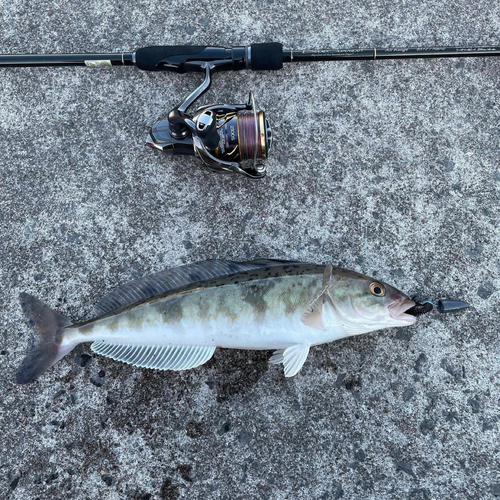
(227, 138)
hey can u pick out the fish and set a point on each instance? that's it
(175, 319)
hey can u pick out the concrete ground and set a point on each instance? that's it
(388, 168)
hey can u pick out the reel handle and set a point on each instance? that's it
(184, 58)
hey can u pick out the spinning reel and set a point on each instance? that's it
(226, 137)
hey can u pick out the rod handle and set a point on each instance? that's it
(166, 57)
(183, 58)
(266, 56)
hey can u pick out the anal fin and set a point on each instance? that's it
(292, 357)
(158, 357)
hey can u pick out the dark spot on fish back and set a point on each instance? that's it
(87, 329)
(254, 294)
(224, 305)
(170, 310)
(304, 292)
(113, 323)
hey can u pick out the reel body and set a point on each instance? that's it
(226, 137)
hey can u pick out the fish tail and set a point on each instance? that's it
(50, 326)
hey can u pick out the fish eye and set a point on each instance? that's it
(377, 289)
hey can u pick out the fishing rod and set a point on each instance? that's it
(226, 137)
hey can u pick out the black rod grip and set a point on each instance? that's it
(151, 58)
(266, 56)
(182, 58)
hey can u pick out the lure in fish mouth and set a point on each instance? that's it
(175, 319)
(402, 311)
(420, 308)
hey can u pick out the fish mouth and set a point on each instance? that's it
(398, 311)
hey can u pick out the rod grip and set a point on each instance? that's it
(181, 58)
(266, 56)
(149, 58)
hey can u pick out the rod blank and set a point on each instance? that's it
(27, 60)
(375, 54)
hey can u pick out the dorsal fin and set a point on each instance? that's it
(177, 278)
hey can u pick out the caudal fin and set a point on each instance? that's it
(49, 325)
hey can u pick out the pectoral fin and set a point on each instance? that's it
(313, 315)
(292, 357)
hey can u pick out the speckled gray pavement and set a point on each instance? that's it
(389, 168)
